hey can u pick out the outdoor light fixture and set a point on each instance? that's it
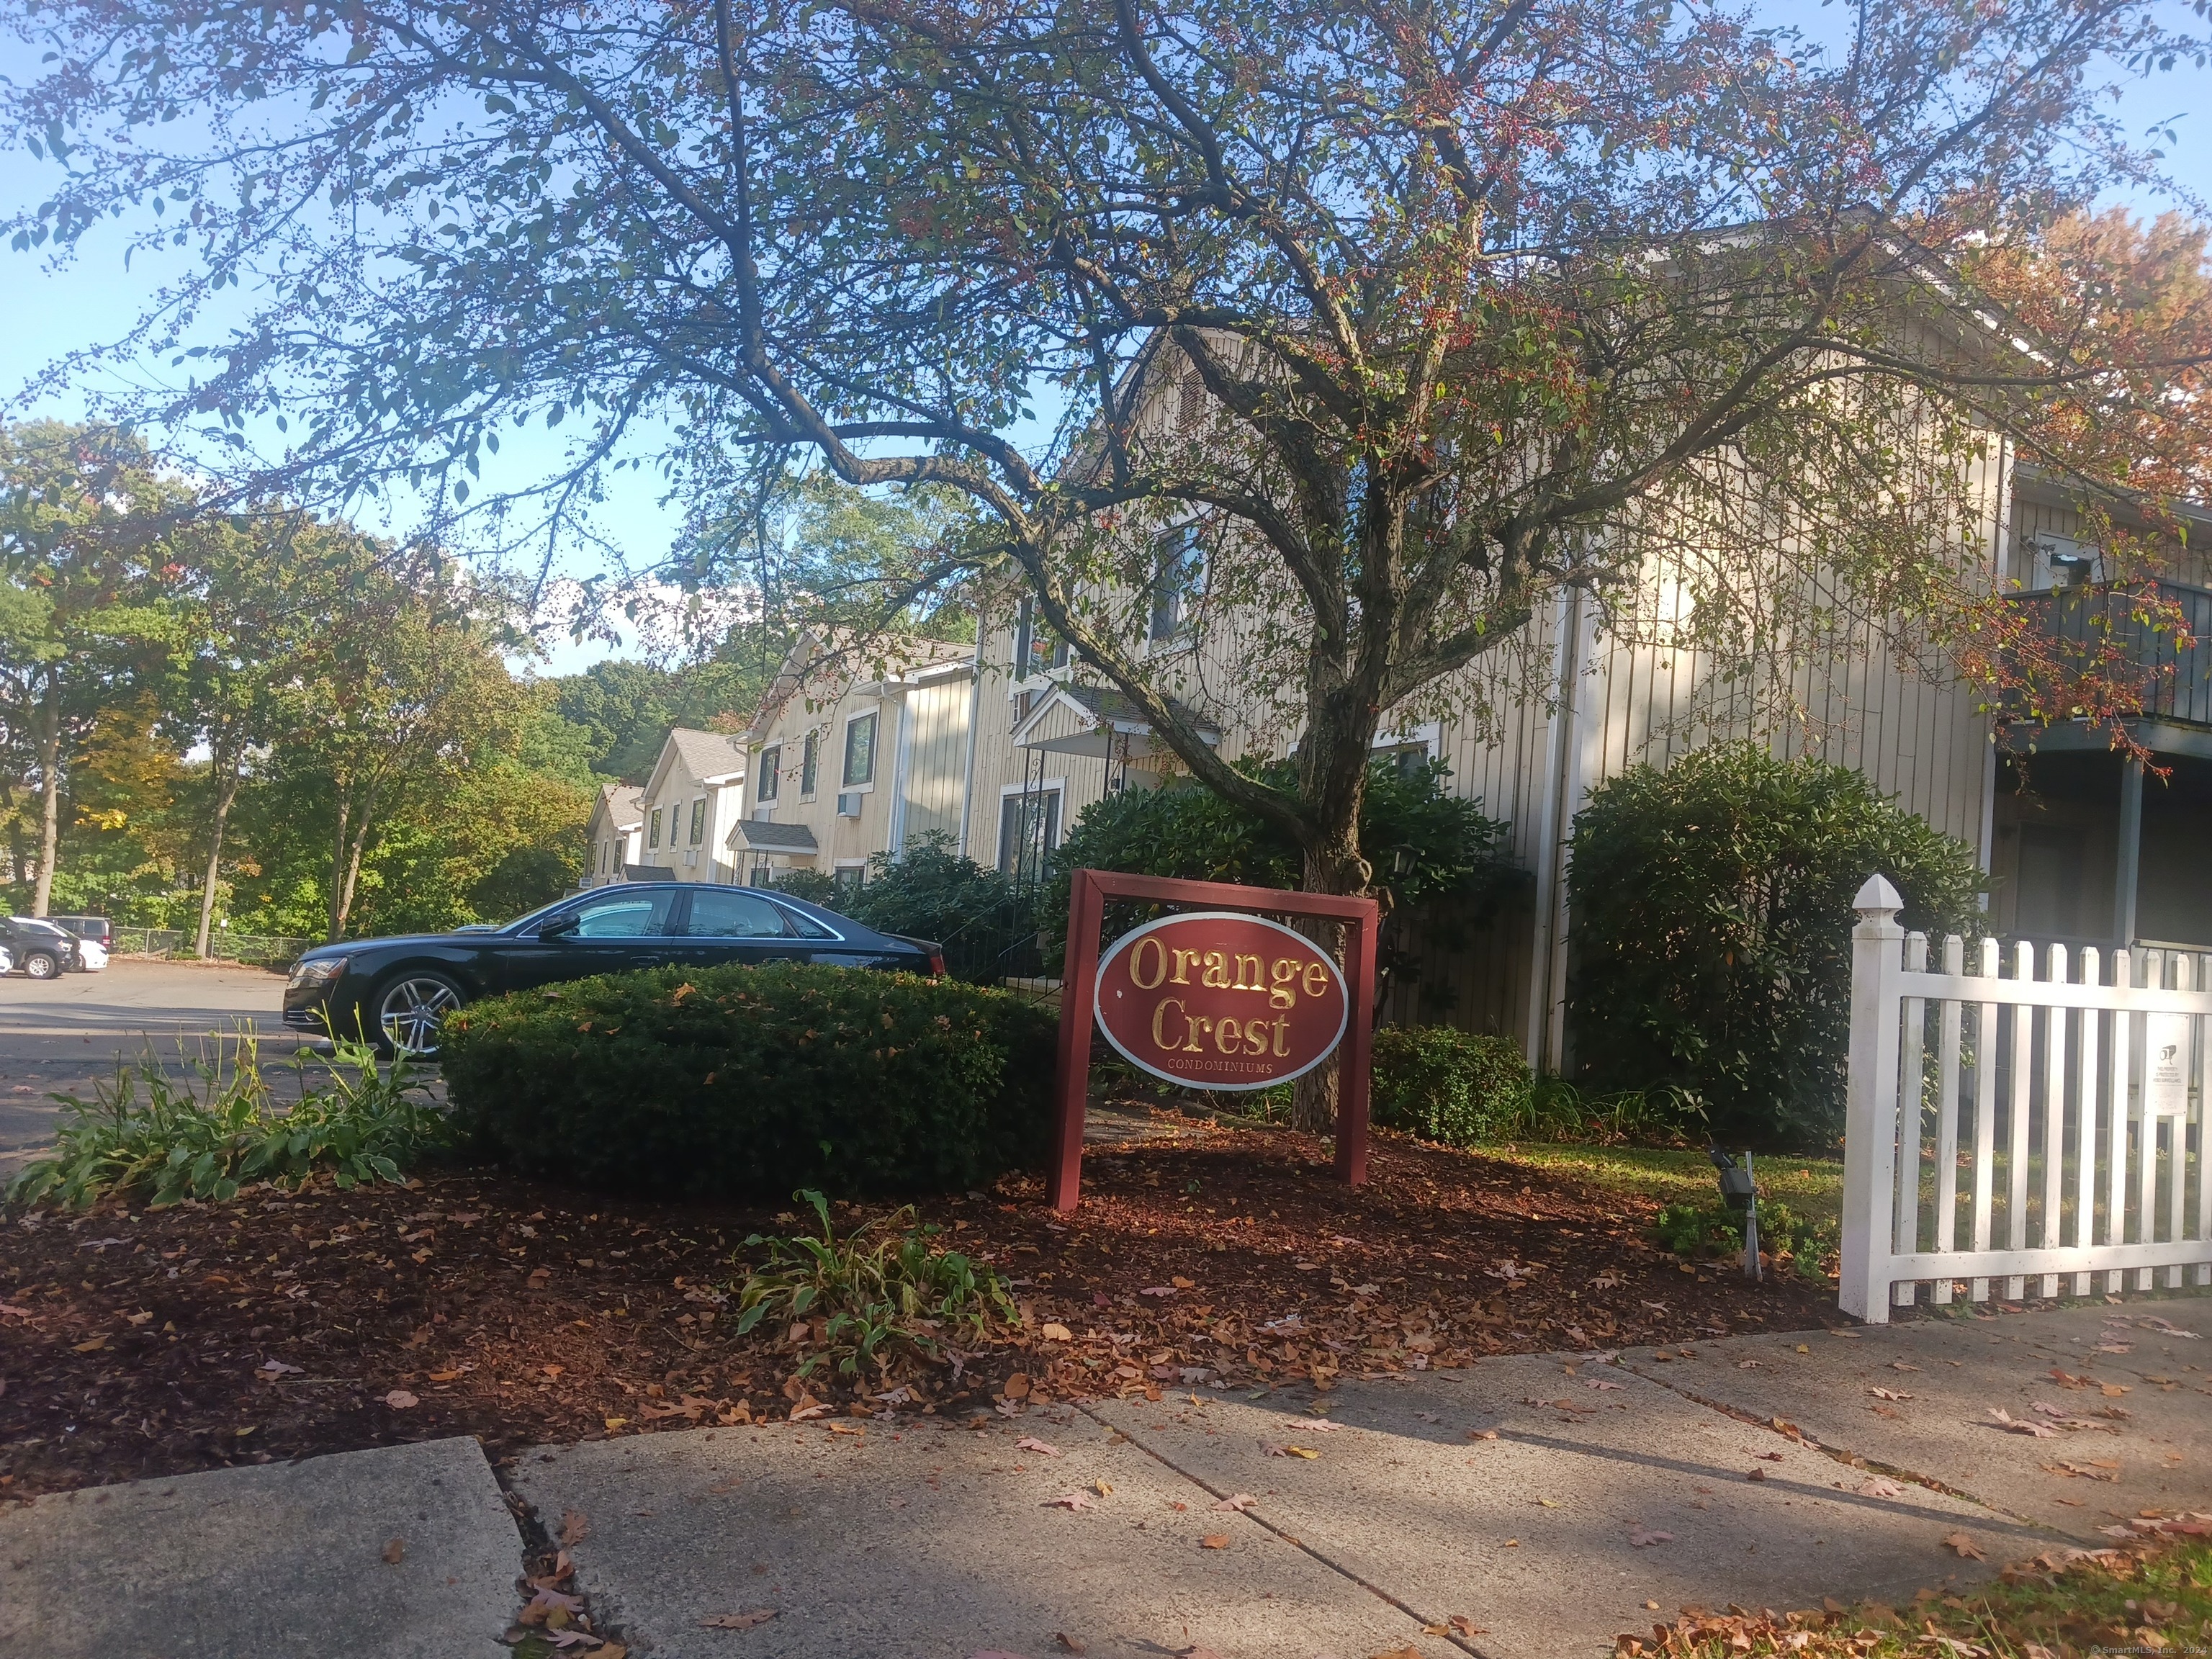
(1738, 1189)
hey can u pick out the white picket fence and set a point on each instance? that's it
(2007, 1130)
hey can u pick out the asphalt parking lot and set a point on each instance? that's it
(58, 1035)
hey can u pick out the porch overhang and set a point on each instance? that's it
(759, 836)
(1103, 724)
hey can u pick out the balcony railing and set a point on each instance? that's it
(2176, 669)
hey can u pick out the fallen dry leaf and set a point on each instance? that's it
(574, 1529)
(1889, 1393)
(1057, 1333)
(1482, 1434)
(737, 1620)
(1070, 1500)
(1067, 1643)
(1238, 1502)
(1640, 1539)
(399, 1399)
(2005, 1420)
(1962, 1545)
(1876, 1486)
(1029, 1443)
(394, 1552)
(1214, 1540)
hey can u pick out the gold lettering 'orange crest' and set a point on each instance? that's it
(1221, 1001)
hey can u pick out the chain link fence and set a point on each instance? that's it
(262, 949)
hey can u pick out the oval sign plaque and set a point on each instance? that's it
(1218, 1000)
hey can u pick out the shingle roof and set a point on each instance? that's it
(758, 836)
(707, 754)
(625, 803)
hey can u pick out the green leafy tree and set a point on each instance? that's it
(1444, 864)
(85, 527)
(1712, 922)
(262, 593)
(406, 694)
(624, 708)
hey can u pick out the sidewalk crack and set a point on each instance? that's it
(1849, 1459)
(1428, 1624)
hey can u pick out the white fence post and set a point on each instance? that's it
(1870, 1110)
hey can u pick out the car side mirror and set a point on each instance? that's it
(561, 928)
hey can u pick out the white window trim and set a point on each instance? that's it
(1427, 736)
(875, 750)
(1050, 785)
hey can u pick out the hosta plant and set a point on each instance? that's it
(884, 1290)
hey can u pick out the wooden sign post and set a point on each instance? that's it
(1219, 998)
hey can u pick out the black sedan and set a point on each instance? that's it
(397, 990)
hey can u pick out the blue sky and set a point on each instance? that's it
(47, 313)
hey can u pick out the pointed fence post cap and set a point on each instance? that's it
(1877, 900)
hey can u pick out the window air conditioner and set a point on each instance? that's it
(692, 855)
(849, 805)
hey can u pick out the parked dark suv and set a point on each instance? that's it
(99, 929)
(397, 990)
(41, 950)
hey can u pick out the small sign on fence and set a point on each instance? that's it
(2165, 1065)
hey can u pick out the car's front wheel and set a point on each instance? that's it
(410, 1009)
(42, 964)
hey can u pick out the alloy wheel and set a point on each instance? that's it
(39, 965)
(412, 1011)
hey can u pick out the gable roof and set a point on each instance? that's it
(826, 670)
(704, 755)
(621, 805)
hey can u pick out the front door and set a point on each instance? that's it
(617, 929)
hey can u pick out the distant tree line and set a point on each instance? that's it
(266, 721)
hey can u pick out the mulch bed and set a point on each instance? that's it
(469, 1302)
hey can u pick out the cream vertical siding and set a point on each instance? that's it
(934, 748)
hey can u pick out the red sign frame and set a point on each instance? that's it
(1079, 987)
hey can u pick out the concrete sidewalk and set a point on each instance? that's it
(1522, 1509)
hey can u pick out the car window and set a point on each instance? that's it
(732, 912)
(624, 915)
(804, 925)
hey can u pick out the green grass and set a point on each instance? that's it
(1813, 1187)
(2141, 1599)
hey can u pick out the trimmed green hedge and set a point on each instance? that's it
(1443, 1083)
(750, 1082)
(1712, 931)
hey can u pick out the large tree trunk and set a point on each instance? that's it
(50, 800)
(355, 819)
(1334, 866)
(341, 888)
(226, 790)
